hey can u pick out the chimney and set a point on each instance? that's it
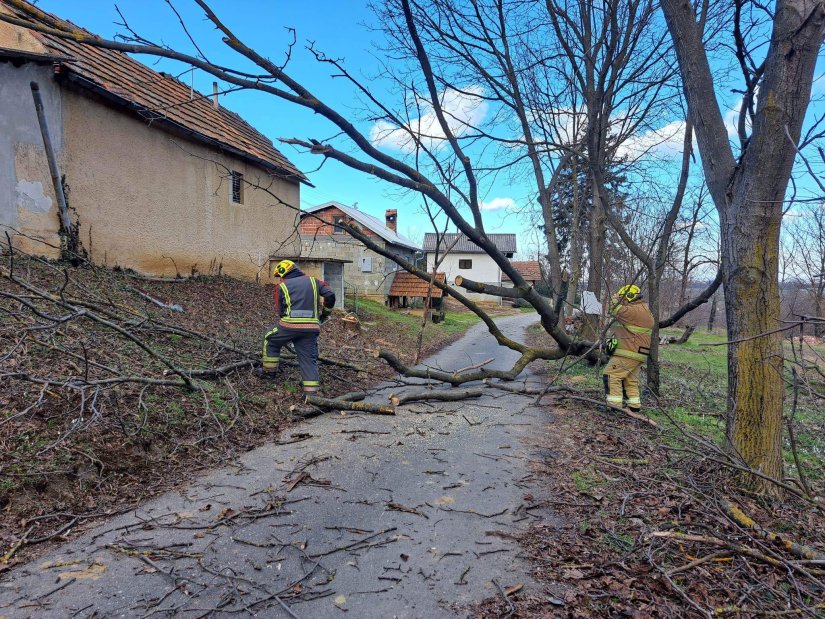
(392, 219)
(215, 95)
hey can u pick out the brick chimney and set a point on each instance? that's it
(392, 219)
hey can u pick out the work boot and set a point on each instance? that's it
(266, 374)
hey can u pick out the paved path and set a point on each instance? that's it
(405, 516)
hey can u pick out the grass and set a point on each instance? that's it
(585, 480)
(454, 322)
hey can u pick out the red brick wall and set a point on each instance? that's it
(310, 224)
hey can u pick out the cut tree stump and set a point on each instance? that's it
(351, 322)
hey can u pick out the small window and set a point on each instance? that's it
(337, 220)
(465, 264)
(237, 187)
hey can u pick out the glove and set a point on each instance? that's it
(325, 314)
(611, 345)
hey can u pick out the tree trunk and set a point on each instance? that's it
(755, 384)
(712, 316)
(598, 232)
(653, 367)
(819, 326)
(749, 192)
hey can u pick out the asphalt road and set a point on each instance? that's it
(363, 516)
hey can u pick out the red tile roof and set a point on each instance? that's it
(529, 270)
(409, 285)
(162, 99)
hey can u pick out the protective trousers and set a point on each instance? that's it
(305, 342)
(621, 378)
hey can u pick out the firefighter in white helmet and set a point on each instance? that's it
(631, 346)
(302, 303)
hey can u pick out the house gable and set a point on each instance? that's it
(155, 97)
(366, 272)
(322, 223)
(156, 201)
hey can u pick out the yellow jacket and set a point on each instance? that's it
(634, 324)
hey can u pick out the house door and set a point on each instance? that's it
(333, 275)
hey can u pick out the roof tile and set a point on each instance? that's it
(159, 96)
(408, 285)
(373, 223)
(530, 270)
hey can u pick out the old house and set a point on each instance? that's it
(460, 256)
(158, 177)
(365, 272)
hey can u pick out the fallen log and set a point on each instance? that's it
(352, 396)
(735, 547)
(801, 551)
(453, 378)
(336, 404)
(170, 306)
(521, 388)
(442, 395)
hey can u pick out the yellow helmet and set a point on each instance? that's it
(283, 267)
(630, 292)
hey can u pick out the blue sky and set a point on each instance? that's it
(340, 28)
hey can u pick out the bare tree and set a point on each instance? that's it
(749, 191)
(805, 255)
(449, 47)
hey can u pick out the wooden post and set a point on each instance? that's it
(65, 221)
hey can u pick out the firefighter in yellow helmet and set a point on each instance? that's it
(302, 303)
(631, 346)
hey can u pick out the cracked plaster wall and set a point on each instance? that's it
(28, 208)
(146, 199)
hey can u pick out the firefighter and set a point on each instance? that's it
(302, 303)
(631, 346)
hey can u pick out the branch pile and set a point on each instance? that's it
(110, 392)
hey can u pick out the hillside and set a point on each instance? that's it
(108, 398)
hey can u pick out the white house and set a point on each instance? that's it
(460, 256)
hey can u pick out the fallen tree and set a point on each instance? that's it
(432, 180)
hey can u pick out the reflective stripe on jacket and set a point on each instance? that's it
(298, 302)
(633, 328)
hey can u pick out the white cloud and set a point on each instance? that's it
(666, 141)
(499, 204)
(732, 121)
(462, 109)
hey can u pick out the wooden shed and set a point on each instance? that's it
(406, 286)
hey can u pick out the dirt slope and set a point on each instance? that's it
(91, 421)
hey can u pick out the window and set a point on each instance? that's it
(465, 264)
(337, 220)
(237, 187)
